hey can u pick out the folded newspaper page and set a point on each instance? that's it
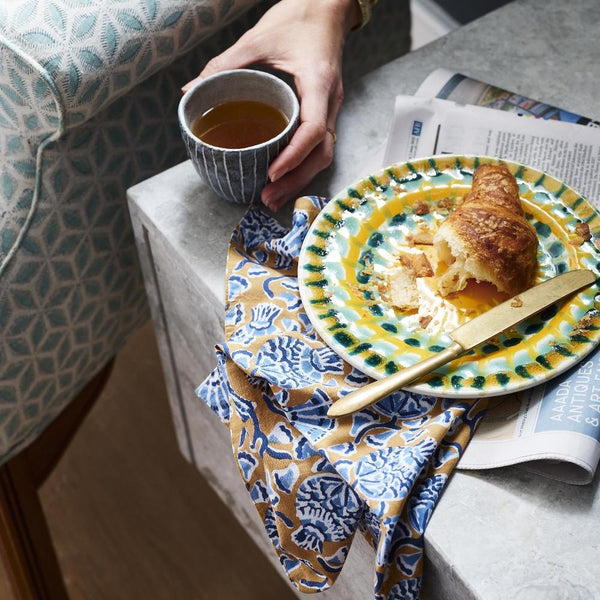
(430, 126)
(448, 85)
(554, 428)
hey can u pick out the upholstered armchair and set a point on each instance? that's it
(88, 98)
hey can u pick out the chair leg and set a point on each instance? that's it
(25, 542)
(27, 547)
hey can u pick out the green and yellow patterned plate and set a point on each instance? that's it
(358, 237)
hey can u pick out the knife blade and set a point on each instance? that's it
(466, 337)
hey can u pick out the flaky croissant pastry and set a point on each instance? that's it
(487, 237)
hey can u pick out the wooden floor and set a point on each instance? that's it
(131, 518)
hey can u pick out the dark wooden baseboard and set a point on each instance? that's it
(25, 541)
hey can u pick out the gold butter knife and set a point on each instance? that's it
(468, 336)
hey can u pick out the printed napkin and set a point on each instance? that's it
(316, 481)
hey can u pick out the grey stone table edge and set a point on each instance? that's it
(495, 534)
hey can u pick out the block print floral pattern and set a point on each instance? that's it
(316, 481)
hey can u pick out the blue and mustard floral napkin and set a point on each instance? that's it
(316, 481)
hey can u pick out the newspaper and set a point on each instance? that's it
(553, 428)
(448, 85)
(430, 126)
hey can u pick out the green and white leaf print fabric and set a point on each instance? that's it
(95, 51)
(88, 107)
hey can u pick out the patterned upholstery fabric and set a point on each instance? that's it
(81, 120)
(94, 51)
(88, 98)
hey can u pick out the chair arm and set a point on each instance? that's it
(97, 51)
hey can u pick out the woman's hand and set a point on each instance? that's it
(304, 38)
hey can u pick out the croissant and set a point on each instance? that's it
(487, 237)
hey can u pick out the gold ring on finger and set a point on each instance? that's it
(332, 132)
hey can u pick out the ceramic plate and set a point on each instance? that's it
(357, 238)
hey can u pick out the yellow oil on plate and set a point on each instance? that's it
(356, 240)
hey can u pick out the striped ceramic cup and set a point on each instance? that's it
(237, 175)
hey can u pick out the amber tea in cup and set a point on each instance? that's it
(234, 124)
(239, 124)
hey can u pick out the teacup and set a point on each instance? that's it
(236, 174)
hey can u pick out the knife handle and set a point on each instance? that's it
(377, 390)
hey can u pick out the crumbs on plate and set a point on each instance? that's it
(582, 234)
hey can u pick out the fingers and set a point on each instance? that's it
(276, 194)
(305, 162)
(320, 102)
(304, 141)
